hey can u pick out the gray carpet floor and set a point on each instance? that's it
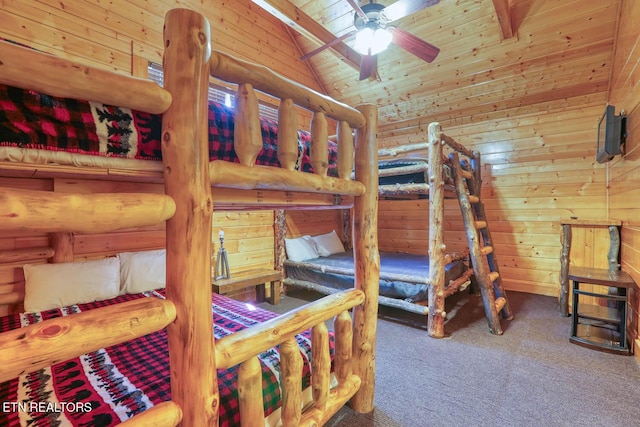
(530, 376)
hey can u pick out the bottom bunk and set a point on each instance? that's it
(110, 385)
(404, 278)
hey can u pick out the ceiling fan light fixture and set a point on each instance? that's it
(371, 41)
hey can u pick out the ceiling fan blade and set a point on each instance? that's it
(368, 66)
(403, 8)
(354, 4)
(327, 45)
(415, 45)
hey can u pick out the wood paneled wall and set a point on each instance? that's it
(249, 235)
(403, 226)
(624, 171)
(110, 34)
(313, 223)
(538, 168)
(122, 35)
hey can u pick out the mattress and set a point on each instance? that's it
(390, 263)
(34, 121)
(416, 176)
(108, 386)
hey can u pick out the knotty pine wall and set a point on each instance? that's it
(249, 235)
(313, 223)
(123, 35)
(624, 171)
(538, 168)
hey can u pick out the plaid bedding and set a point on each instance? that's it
(108, 386)
(30, 119)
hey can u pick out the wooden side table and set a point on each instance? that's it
(612, 256)
(258, 278)
(599, 327)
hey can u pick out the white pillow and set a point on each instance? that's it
(142, 271)
(57, 285)
(300, 249)
(328, 244)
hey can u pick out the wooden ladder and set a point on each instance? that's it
(485, 266)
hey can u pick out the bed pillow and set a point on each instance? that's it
(328, 244)
(300, 248)
(57, 285)
(142, 271)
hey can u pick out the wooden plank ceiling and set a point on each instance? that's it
(495, 55)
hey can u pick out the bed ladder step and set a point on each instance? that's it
(480, 243)
(486, 250)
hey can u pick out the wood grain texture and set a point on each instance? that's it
(70, 336)
(42, 211)
(164, 414)
(367, 260)
(186, 170)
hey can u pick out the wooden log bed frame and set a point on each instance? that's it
(194, 187)
(437, 186)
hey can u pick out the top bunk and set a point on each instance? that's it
(403, 175)
(64, 124)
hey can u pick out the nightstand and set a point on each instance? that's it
(599, 327)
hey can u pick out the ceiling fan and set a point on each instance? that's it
(374, 31)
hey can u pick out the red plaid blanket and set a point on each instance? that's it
(33, 120)
(108, 386)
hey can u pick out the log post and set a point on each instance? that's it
(291, 368)
(437, 247)
(319, 152)
(279, 253)
(614, 247)
(287, 134)
(185, 157)
(367, 259)
(564, 269)
(62, 244)
(320, 365)
(345, 150)
(250, 392)
(344, 344)
(247, 133)
(346, 229)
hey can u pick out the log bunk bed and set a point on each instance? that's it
(415, 283)
(194, 187)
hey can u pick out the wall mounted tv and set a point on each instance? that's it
(611, 135)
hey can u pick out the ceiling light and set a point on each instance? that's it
(371, 41)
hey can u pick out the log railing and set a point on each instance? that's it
(248, 140)
(243, 347)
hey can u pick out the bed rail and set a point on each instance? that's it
(23, 67)
(248, 140)
(42, 344)
(244, 346)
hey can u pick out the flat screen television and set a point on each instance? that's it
(611, 134)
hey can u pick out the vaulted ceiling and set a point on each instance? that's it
(536, 52)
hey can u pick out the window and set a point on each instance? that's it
(221, 95)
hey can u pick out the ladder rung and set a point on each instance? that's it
(466, 174)
(481, 224)
(493, 276)
(486, 250)
(500, 302)
(473, 199)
